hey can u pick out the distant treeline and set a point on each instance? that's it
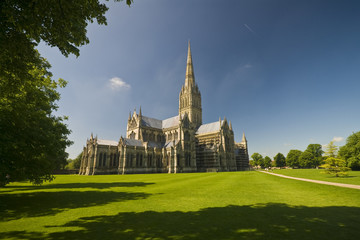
(314, 156)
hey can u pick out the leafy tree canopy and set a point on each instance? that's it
(252, 163)
(266, 162)
(307, 160)
(312, 156)
(335, 166)
(257, 158)
(331, 150)
(32, 139)
(279, 160)
(292, 158)
(350, 152)
(74, 164)
(59, 23)
(315, 150)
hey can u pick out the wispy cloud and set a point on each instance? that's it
(249, 28)
(338, 139)
(117, 84)
(335, 139)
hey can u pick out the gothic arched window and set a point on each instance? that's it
(187, 159)
(128, 158)
(158, 162)
(177, 159)
(115, 160)
(186, 136)
(152, 137)
(149, 160)
(104, 160)
(132, 135)
(100, 160)
(145, 136)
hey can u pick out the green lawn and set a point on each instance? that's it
(317, 174)
(237, 205)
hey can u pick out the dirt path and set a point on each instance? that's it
(316, 181)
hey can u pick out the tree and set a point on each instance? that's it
(32, 139)
(331, 150)
(252, 163)
(335, 166)
(307, 160)
(257, 158)
(75, 163)
(266, 162)
(61, 24)
(315, 149)
(292, 158)
(279, 160)
(350, 152)
(312, 156)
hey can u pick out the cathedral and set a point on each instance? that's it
(174, 145)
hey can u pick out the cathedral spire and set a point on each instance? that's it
(190, 97)
(189, 76)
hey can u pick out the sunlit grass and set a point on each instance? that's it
(237, 205)
(318, 174)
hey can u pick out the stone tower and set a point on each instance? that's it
(190, 96)
(181, 143)
(245, 146)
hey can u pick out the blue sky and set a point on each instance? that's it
(287, 73)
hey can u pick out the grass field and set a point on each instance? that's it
(237, 205)
(317, 174)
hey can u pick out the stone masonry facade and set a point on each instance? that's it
(178, 144)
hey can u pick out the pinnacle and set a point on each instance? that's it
(243, 138)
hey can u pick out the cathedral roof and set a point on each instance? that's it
(209, 127)
(160, 124)
(107, 142)
(170, 122)
(132, 142)
(154, 144)
(151, 122)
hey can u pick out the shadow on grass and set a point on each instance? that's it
(35, 204)
(334, 177)
(269, 221)
(74, 185)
